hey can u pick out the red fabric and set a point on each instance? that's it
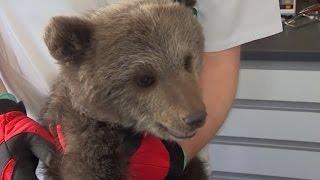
(15, 122)
(1, 131)
(144, 165)
(60, 137)
(150, 161)
(8, 170)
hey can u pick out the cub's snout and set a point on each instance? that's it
(196, 119)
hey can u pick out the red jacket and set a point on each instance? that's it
(24, 141)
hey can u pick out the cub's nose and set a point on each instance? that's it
(196, 119)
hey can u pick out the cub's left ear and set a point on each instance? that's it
(188, 3)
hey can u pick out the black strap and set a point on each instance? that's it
(131, 142)
(176, 160)
(7, 105)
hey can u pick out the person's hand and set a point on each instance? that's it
(2, 87)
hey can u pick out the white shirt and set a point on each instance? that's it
(28, 70)
(230, 23)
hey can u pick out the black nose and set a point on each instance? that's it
(196, 119)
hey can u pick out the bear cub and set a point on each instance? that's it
(131, 65)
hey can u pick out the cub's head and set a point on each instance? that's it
(135, 63)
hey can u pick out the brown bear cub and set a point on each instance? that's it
(132, 65)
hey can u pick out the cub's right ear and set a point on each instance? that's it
(68, 38)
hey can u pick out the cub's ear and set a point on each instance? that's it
(68, 38)
(188, 3)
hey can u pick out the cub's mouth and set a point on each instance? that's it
(176, 133)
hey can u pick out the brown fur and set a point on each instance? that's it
(130, 65)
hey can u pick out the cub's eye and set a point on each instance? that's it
(145, 81)
(187, 60)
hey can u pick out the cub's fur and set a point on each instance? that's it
(132, 65)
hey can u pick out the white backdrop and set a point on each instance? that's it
(26, 66)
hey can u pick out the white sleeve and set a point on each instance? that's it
(230, 23)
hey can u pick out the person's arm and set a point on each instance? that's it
(218, 80)
(2, 87)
